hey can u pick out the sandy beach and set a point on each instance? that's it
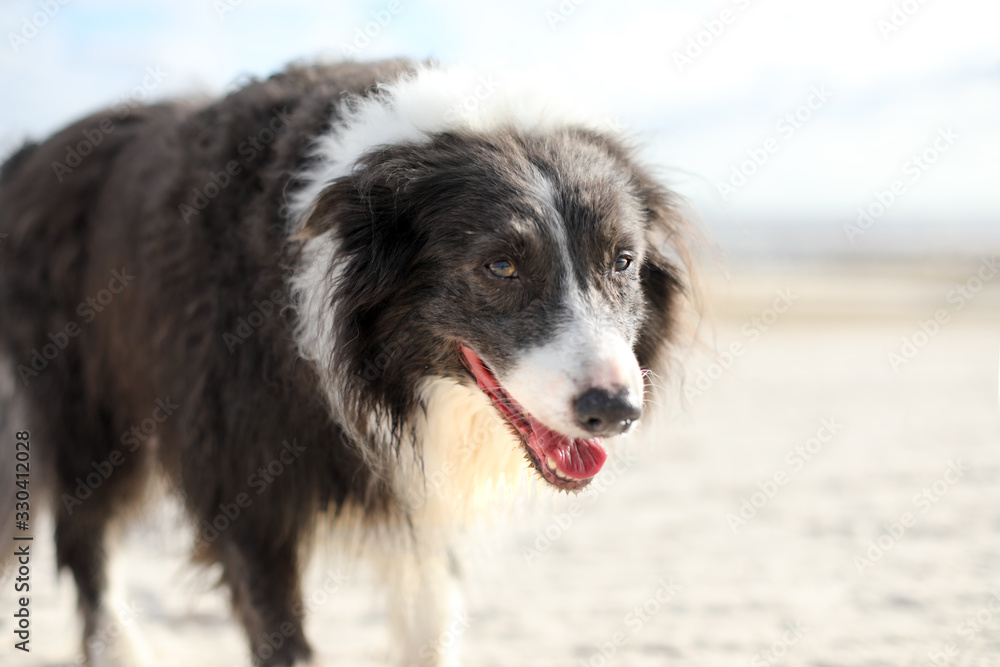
(824, 490)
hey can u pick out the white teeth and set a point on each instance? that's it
(554, 467)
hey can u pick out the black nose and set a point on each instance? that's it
(607, 413)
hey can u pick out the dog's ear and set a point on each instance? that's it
(361, 228)
(367, 216)
(664, 273)
(319, 219)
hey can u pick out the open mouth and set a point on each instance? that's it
(564, 462)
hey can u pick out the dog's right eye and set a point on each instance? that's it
(502, 269)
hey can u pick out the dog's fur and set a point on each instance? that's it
(310, 309)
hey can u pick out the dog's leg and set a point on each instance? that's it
(425, 607)
(263, 578)
(111, 637)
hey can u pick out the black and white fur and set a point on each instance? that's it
(374, 212)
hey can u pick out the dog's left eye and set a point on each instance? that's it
(622, 263)
(502, 268)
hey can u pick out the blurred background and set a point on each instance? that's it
(704, 89)
(844, 161)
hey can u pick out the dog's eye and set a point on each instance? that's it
(622, 263)
(503, 269)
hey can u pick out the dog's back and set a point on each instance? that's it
(129, 255)
(45, 220)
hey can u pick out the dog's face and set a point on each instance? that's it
(528, 264)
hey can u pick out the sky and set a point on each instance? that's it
(780, 121)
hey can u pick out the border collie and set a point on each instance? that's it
(294, 303)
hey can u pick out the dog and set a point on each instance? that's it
(295, 302)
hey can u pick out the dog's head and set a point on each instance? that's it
(538, 265)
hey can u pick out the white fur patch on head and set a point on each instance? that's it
(430, 101)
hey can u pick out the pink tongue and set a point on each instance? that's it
(575, 457)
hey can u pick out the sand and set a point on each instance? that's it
(883, 548)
